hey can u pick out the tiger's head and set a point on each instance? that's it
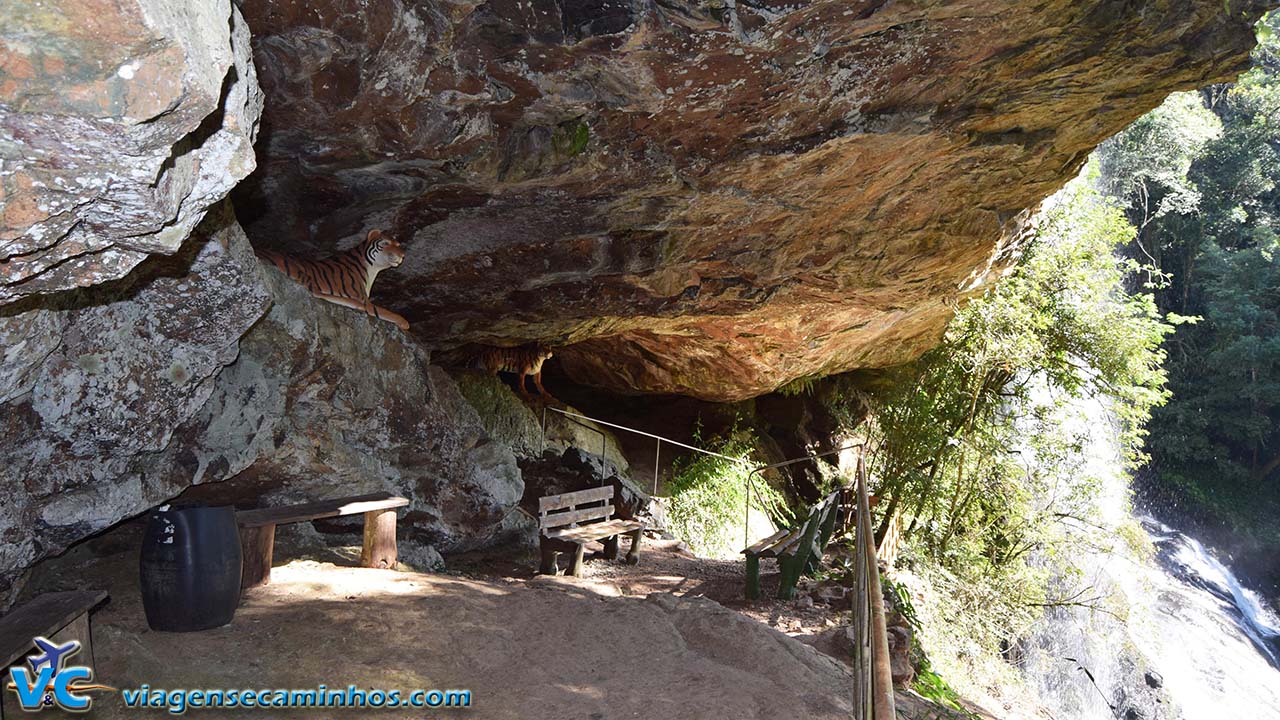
(541, 352)
(381, 251)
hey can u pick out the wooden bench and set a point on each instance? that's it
(797, 549)
(58, 616)
(258, 531)
(568, 522)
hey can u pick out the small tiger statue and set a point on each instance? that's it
(522, 361)
(345, 279)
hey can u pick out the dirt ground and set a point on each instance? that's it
(670, 638)
(665, 568)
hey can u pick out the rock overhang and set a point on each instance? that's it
(709, 199)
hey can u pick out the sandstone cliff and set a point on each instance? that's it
(705, 198)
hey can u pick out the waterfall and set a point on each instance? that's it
(1178, 637)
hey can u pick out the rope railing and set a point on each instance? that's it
(657, 454)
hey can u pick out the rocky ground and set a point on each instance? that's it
(650, 641)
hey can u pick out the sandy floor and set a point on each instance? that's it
(527, 647)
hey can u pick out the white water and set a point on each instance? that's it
(1183, 615)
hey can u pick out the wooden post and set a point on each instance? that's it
(753, 577)
(379, 549)
(550, 557)
(633, 554)
(256, 545)
(579, 551)
(882, 673)
(77, 629)
(787, 577)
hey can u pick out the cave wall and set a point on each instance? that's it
(700, 198)
(121, 123)
(209, 368)
(705, 199)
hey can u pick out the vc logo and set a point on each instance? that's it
(50, 681)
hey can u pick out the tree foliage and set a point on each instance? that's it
(979, 445)
(708, 496)
(1217, 442)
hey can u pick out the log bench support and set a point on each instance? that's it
(58, 616)
(798, 550)
(568, 522)
(258, 531)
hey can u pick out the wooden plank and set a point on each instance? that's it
(560, 519)
(766, 543)
(580, 497)
(379, 549)
(594, 531)
(788, 541)
(333, 507)
(45, 615)
(882, 674)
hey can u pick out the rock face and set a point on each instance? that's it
(119, 398)
(518, 425)
(95, 387)
(707, 198)
(121, 123)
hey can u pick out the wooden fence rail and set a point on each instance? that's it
(872, 676)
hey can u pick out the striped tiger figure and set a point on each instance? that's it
(346, 279)
(522, 361)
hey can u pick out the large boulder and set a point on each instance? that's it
(329, 402)
(120, 397)
(99, 389)
(121, 123)
(703, 198)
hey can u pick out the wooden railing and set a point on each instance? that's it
(872, 676)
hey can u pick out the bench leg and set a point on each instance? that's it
(611, 548)
(790, 575)
(753, 577)
(379, 550)
(77, 629)
(633, 554)
(550, 558)
(256, 545)
(579, 553)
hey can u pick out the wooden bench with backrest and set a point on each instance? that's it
(258, 531)
(798, 549)
(57, 616)
(569, 521)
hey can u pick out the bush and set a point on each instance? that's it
(708, 495)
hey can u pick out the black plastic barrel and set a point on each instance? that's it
(190, 568)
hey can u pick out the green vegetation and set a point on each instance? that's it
(928, 683)
(708, 494)
(1199, 177)
(980, 444)
(571, 138)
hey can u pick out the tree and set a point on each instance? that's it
(1217, 442)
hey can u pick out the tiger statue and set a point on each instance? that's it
(345, 279)
(522, 361)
